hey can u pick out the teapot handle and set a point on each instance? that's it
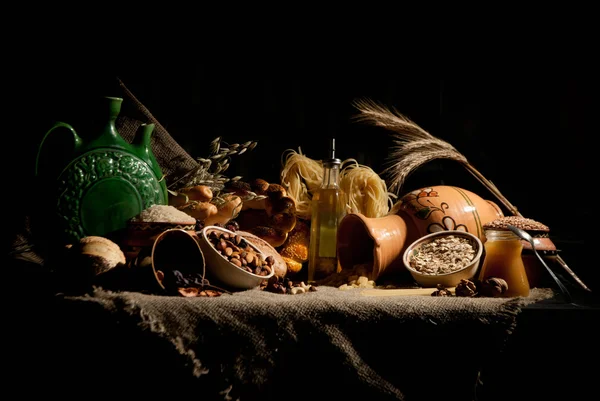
(76, 141)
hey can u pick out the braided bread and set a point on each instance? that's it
(271, 217)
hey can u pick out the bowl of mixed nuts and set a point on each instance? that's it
(233, 260)
(443, 258)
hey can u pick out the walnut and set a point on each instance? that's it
(441, 292)
(493, 287)
(277, 285)
(466, 288)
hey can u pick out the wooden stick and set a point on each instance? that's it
(493, 189)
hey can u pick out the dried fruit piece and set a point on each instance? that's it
(188, 292)
(209, 293)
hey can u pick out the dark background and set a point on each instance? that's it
(528, 129)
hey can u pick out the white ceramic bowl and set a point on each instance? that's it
(222, 269)
(446, 279)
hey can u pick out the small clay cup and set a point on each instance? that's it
(177, 249)
(377, 242)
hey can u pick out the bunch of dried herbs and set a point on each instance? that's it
(210, 171)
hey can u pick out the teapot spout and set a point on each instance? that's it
(142, 137)
(143, 147)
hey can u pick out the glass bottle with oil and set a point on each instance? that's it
(327, 209)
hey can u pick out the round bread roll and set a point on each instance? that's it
(259, 186)
(283, 204)
(226, 211)
(201, 193)
(199, 210)
(239, 188)
(97, 254)
(244, 189)
(280, 266)
(275, 191)
(283, 221)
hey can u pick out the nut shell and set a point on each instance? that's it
(493, 287)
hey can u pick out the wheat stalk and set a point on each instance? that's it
(413, 147)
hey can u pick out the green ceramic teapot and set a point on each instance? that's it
(104, 180)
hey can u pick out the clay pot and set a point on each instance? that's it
(150, 270)
(177, 249)
(381, 241)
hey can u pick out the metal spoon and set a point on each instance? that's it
(525, 235)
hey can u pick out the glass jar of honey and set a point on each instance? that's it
(503, 260)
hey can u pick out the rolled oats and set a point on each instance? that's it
(443, 255)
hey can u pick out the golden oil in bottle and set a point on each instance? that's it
(327, 210)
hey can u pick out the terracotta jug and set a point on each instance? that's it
(380, 242)
(95, 183)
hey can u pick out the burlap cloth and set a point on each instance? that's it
(256, 345)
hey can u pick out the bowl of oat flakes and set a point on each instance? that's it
(444, 258)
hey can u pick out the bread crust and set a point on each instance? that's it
(295, 250)
(274, 237)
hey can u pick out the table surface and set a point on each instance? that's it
(549, 356)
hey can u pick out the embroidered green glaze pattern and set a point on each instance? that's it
(101, 190)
